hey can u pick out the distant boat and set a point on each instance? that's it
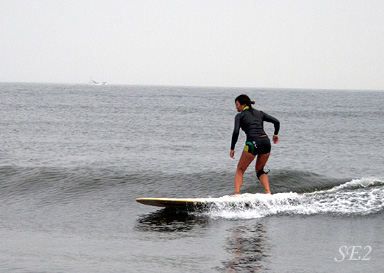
(93, 82)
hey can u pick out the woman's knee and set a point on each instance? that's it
(260, 173)
(241, 169)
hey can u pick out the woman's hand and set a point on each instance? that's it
(232, 154)
(275, 139)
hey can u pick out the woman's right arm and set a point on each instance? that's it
(273, 120)
(275, 139)
(235, 134)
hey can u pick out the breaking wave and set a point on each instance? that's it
(357, 197)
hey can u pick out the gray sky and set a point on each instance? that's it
(326, 44)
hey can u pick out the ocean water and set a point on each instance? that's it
(73, 159)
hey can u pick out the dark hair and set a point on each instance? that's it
(244, 99)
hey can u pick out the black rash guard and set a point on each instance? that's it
(251, 122)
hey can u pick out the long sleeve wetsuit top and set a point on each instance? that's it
(252, 123)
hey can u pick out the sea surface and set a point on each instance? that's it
(73, 159)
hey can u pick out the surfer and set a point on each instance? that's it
(257, 144)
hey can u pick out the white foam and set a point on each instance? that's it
(354, 197)
(247, 206)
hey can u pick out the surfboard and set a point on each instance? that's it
(242, 201)
(182, 203)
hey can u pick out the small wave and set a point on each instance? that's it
(361, 183)
(300, 181)
(357, 197)
(51, 185)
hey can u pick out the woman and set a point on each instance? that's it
(257, 144)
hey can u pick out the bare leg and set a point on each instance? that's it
(245, 160)
(260, 163)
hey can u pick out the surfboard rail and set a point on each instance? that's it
(185, 203)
